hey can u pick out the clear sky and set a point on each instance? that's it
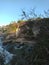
(10, 10)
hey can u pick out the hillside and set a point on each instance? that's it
(29, 43)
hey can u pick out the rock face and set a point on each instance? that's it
(5, 56)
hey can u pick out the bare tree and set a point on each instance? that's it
(46, 13)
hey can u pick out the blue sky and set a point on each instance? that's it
(10, 10)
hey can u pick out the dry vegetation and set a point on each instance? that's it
(28, 53)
